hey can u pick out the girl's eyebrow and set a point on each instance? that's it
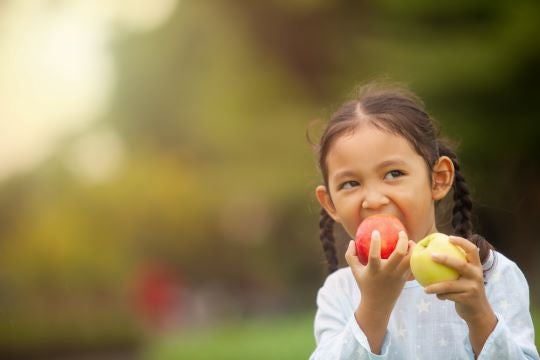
(344, 174)
(391, 162)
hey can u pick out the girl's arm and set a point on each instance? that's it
(345, 332)
(380, 283)
(337, 333)
(496, 328)
(468, 293)
(480, 328)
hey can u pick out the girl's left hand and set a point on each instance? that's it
(468, 291)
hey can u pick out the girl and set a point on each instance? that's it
(380, 154)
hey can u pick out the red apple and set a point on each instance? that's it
(388, 226)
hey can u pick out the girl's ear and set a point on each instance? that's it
(442, 177)
(326, 202)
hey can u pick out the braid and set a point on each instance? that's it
(326, 225)
(461, 213)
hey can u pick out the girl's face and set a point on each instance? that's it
(371, 171)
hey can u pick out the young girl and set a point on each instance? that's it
(380, 154)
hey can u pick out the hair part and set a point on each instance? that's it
(398, 111)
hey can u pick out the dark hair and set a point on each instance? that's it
(395, 109)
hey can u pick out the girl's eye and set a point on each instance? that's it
(349, 184)
(393, 174)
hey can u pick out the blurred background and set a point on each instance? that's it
(156, 184)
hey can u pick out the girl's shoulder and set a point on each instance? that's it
(340, 288)
(498, 267)
(341, 278)
(498, 261)
(341, 275)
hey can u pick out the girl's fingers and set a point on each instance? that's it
(403, 244)
(456, 297)
(445, 287)
(400, 251)
(471, 250)
(374, 260)
(454, 290)
(464, 268)
(459, 265)
(350, 255)
(405, 264)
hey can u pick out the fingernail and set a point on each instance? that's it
(376, 233)
(435, 256)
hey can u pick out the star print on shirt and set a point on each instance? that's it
(443, 342)
(346, 342)
(504, 304)
(495, 278)
(423, 306)
(402, 332)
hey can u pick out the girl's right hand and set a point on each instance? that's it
(381, 280)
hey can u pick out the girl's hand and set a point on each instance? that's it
(380, 283)
(468, 291)
(381, 280)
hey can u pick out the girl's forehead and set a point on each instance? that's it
(369, 145)
(368, 138)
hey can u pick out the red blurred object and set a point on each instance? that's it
(158, 295)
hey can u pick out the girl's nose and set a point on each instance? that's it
(374, 200)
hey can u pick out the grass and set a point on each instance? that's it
(279, 338)
(276, 338)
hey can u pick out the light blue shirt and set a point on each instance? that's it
(424, 327)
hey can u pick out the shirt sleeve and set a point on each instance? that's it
(513, 336)
(337, 333)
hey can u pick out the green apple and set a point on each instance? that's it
(425, 270)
